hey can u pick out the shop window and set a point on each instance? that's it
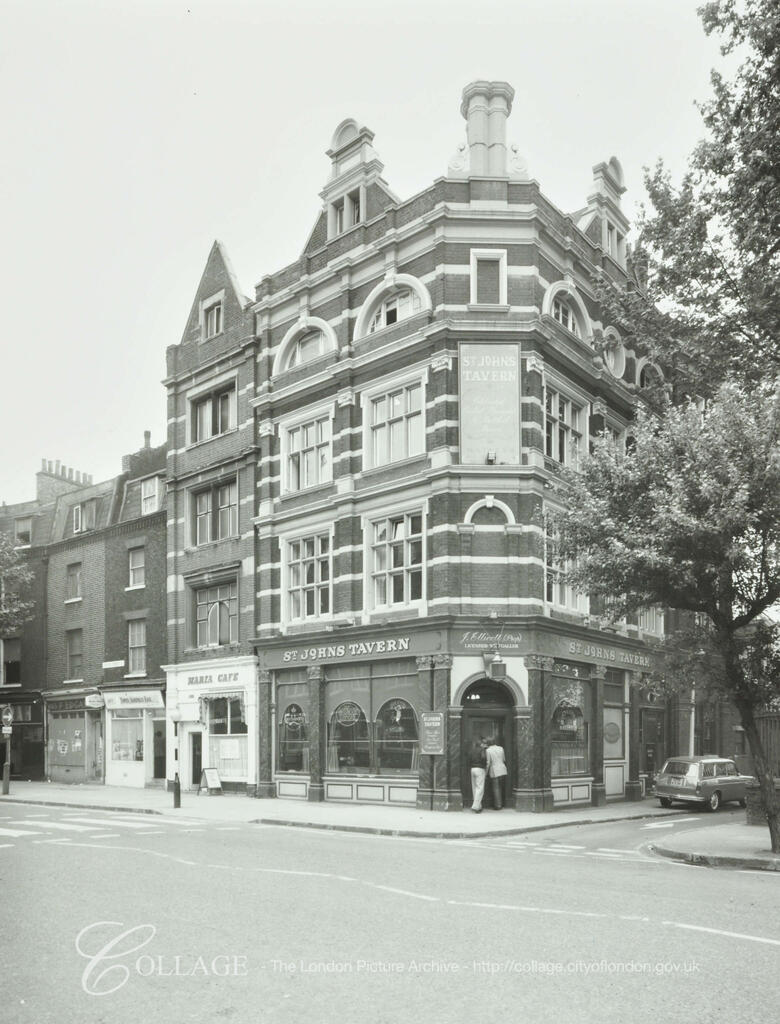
(73, 647)
(12, 661)
(308, 454)
(569, 741)
(228, 736)
(215, 512)
(213, 414)
(73, 578)
(397, 307)
(293, 740)
(23, 532)
(397, 425)
(136, 647)
(563, 429)
(216, 615)
(136, 559)
(127, 735)
(395, 733)
(309, 577)
(397, 560)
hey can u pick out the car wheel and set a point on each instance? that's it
(664, 801)
(714, 801)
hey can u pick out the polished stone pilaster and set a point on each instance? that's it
(426, 773)
(534, 792)
(316, 678)
(440, 776)
(598, 794)
(633, 785)
(522, 759)
(454, 754)
(266, 787)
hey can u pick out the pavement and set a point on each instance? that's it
(721, 845)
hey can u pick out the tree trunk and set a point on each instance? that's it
(764, 774)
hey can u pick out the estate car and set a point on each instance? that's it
(708, 780)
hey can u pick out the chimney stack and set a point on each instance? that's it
(147, 439)
(486, 107)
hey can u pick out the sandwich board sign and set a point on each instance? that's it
(210, 782)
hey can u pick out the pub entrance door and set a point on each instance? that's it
(487, 713)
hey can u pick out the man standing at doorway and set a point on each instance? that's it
(477, 761)
(496, 770)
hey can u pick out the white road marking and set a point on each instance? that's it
(157, 819)
(105, 835)
(6, 846)
(114, 822)
(404, 892)
(660, 824)
(37, 842)
(718, 931)
(563, 846)
(14, 833)
(607, 849)
(228, 828)
(59, 826)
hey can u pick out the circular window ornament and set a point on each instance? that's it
(615, 358)
(294, 717)
(612, 732)
(348, 713)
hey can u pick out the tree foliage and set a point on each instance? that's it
(15, 578)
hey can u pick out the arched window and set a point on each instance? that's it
(293, 740)
(396, 307)
(649, 375)
(396, 736)
(569, 740)
(307, 347)
(349, 745)
(563, 312)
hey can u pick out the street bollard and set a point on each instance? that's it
(176, 791)
(6, 777)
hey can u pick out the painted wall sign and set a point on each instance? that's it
(432, 732)
(490, 403)
(495, 639)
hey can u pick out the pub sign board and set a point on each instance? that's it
(432, 732)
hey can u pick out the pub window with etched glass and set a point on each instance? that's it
(371, 719)
(228, 736)
(570, 728)
(293, 746)
(308, 577)
(397, 560)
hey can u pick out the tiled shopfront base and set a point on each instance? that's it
(352, 790)
(572, 791)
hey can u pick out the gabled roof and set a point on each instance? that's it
(217, 274)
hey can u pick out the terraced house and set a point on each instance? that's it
(364, 468)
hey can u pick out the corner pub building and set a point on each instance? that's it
(420, 375)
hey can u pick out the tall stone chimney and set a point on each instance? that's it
(486, 107)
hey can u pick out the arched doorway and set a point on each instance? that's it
(487, 712)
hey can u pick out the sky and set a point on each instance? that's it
(135, 132)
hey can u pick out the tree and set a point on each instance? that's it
(689, 519)
(15, 578)
(708, 251)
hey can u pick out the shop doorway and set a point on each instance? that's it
(158, 748)
(95, 750)
(487, 713)
(652, 746)
(196, 756)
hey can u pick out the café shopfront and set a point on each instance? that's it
(346, 717)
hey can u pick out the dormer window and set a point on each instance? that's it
(213, 320)
(563, 313)
(23, 532)
(307, 348)
(397, 307)
(345, 213)
(149, 496)
(84, 516)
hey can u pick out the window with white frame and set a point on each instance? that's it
(213, 414)
(216, 614)
(309, 577)
(73, 582)
(306, 348)
(309, 459)
(136, 646)
(23, 532)
(215, 512)
(651, 620)
(395, 308)
(397, 424)
(397, 559)
(73, 652)
(212, 320)
(84, 516)
(488, 277)
(557, 591)
(563, 428)
(345, 213)
(136, 561)
(149, 495)
(564, 314)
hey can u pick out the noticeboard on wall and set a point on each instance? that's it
(490, 403)
(432, 732)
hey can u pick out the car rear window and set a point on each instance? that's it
(680, 768)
